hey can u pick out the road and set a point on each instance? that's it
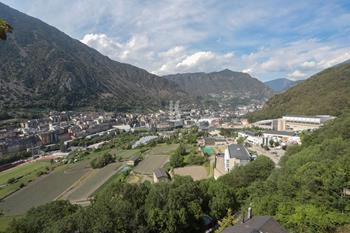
(274, 154)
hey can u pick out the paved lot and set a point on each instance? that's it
(274, 154)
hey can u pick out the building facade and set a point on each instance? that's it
(235, 155)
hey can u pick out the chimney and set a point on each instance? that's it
(250, 213)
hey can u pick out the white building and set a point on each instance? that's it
(300, 123)
(281, 137)
(235, 155)
(294, 123)
(251, 137)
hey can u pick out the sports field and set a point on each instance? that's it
(84, 188)
(44, 189)
(22, 174)
(155, 158)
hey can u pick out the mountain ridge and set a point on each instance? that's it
(218, 82)
(42, 67)
(282, 84)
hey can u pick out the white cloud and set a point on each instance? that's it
(138, 50)
(196, 59)
(299, 59)
(296, 75)
(308, 64)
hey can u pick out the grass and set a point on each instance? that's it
(24, 174)
(126, 154)
(44, 189)
(163, 149)
(5, 222)
(92, 183)
(133, 179)
(118, 177)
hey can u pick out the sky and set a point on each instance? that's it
(268, 39)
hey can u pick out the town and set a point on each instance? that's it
(152, 147)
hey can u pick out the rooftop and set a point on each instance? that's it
(238, 151)
(284, 133)
(258, 224)
(159, 173)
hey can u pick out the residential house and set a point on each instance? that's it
(235, 155)
(257, 224)
(160, 175)
(133, 161)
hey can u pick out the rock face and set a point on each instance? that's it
(222, 82)
(41, 67)
(327, 92)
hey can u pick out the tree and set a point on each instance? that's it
(102, 161)
(227, 221)
(176, 160)
(40, 219)
(181, 150)
(240, 140)
(4, 29)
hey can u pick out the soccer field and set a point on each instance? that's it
(155, 158)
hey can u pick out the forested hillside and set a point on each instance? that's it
(327, 92)
(305, 195)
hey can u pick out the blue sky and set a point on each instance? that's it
(268, 39)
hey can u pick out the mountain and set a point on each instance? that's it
(281, 84)
(41, 67)
(327, 92)
(225, 82)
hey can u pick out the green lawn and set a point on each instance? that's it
(125, 154)
(119, 176)
(5, 222)
(163, 149)
(24, 174)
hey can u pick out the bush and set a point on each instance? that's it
(195, 159)
(12, 180)
(102, 161)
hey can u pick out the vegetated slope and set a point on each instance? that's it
(327, 92)
(222, 82)
(306, 193)
(41, 67)
(281, 84)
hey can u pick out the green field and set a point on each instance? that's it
(5, 221)
(24, 174)
(94, 180)
(44, 189)
(73, 181)
(125, 154)
(163, 149)
(155, 158)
